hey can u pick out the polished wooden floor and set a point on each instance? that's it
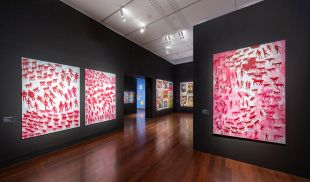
(157, 150)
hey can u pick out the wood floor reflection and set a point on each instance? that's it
(159, 149)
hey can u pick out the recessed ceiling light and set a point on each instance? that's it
(168, 47)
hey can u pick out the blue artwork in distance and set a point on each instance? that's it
(140, 93)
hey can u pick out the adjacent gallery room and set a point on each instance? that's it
(155, 90)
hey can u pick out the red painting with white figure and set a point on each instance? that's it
(50, 97)
(100, 94)
(249, 93)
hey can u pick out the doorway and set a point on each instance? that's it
(138, 95)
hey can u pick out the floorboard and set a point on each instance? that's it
(159, 149)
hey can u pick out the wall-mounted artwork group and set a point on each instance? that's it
(129, 97)
(50, 97)
(186, 94)
(164, 94)
(100, 96)
(249, 93)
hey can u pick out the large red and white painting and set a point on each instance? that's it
(100, 94)
(50, 97)
(249, 93)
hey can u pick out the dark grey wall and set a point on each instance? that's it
(51, 31)
(182, 73)
(268, 21)
(130, 84)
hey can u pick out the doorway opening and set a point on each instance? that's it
(138, 95)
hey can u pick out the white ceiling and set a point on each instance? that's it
(160, 18)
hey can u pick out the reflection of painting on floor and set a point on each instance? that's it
(186, 94)
(164, 94)
(249, 92)
(50, 97)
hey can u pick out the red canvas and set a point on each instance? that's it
(249, 93)
(100, 96)
(50, 97)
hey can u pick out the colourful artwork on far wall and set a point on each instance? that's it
(50, 97)
(129, 97)
(249, 93)
(164, 94)
(126, 97)
(100, 96)
(186, 94)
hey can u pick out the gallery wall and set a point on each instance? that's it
(182, 73)
(264, 22)
(130, 85)
(54, 32)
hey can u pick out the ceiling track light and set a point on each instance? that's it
(181, 35)
(142, 29)
(167, 51)
(167, 38)
(122, 12)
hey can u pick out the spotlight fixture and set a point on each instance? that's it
(122, 15)
(122, 12)
(167, 38)
(181, 35)
(166, 50)
(142, 29)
